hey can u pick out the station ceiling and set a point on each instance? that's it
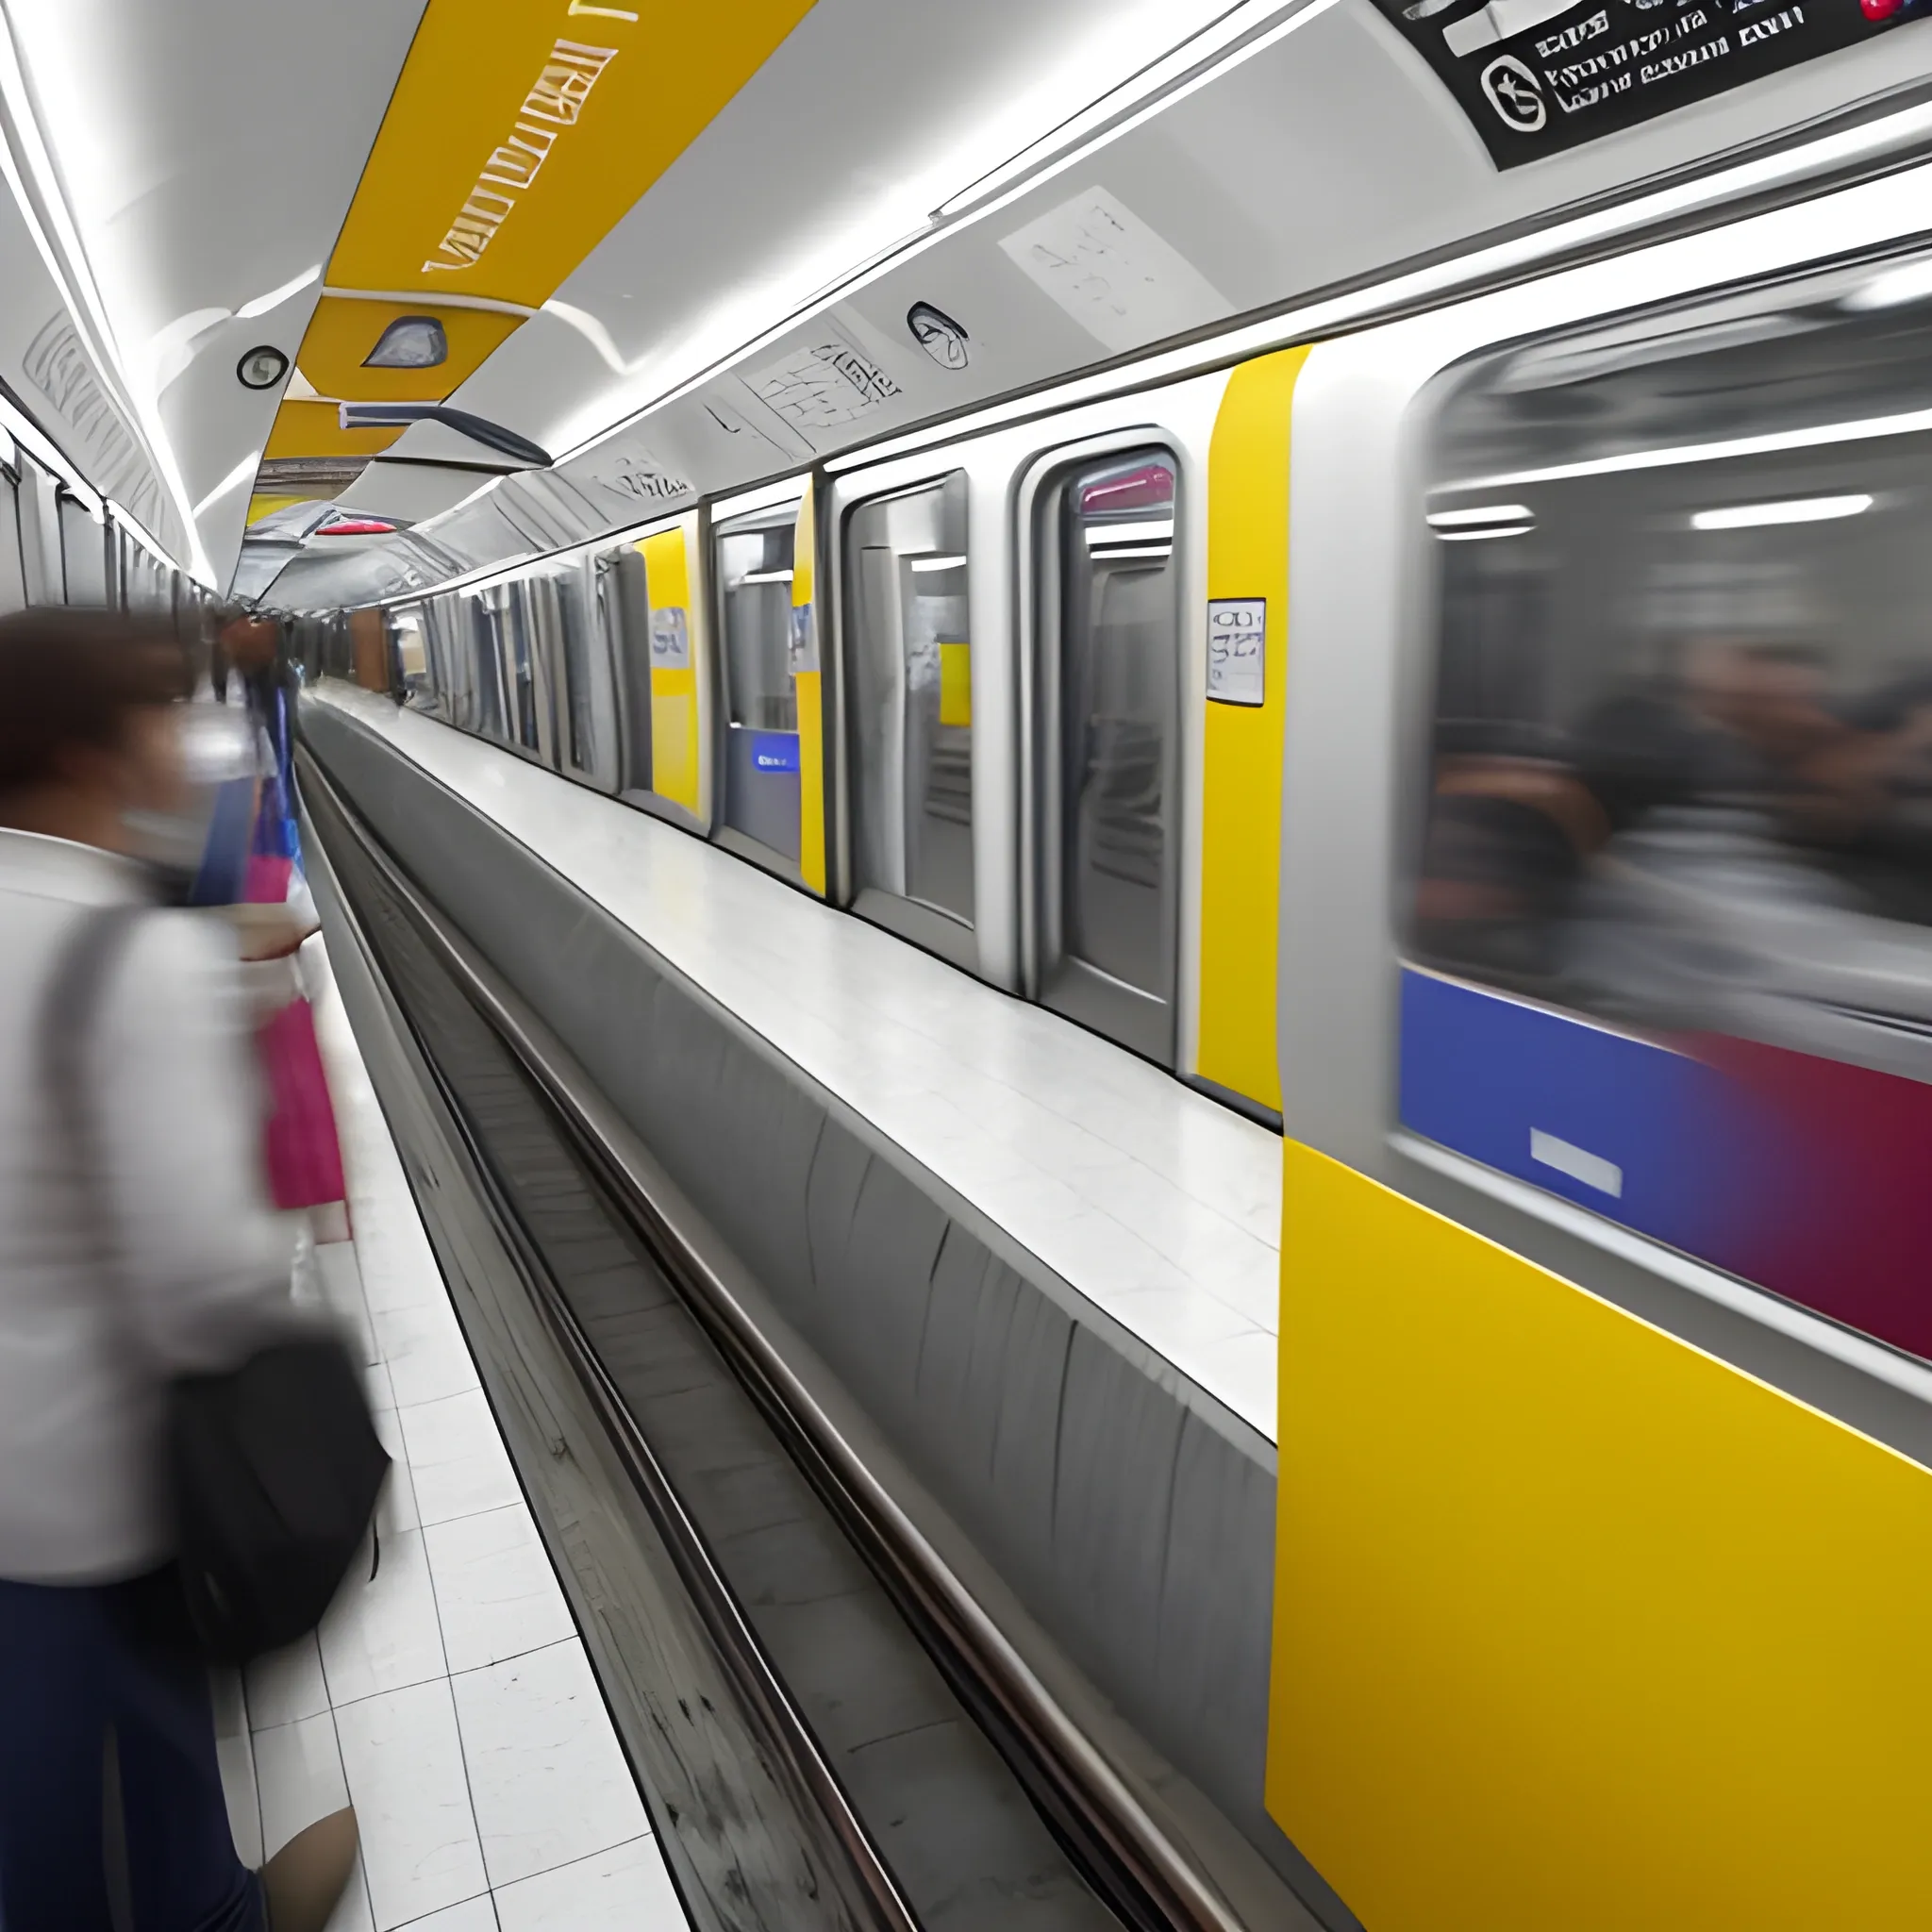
(536, 211)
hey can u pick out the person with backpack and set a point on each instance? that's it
(143, 1280)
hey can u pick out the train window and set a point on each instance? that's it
(523, 665)
(1109, 710)
(569, 615)
(761, 754)
(1671, 945)
(406, 628)
(909, 699)
(623, 608)
(83, 553)
(495, 714)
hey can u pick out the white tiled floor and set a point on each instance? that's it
(448, 1695)
(1160, 1206)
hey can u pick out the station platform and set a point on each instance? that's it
(448, 1694)
(1160, 1207)
(1034, 1276)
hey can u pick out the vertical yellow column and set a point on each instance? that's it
(674, 672)
(1241, 791)
(807, 686)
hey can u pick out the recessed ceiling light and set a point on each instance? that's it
(410, 341)
(261, 368)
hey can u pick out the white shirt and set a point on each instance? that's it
(201, 1264)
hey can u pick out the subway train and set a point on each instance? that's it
(1319, 592)
(1488, 738)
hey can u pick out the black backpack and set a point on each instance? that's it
(275, 1465)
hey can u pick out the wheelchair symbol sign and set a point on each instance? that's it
(1515, 94)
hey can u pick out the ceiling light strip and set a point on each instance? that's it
(1179, 64)
(1820, 436)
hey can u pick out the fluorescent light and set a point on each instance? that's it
(1809, 509)
(1896, 287)
(925, 563)
(1912, 423)
(1152, 79)
(1483, 536)
(1132, 550)
(1489, 513)
(1162, 527)
(234, 479)
(276, 298)
(766, 577)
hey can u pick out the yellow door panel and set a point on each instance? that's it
(676, 770)
(1240, 801)
(1576, 1628)
(806, 684)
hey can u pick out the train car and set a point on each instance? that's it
(1509, 720)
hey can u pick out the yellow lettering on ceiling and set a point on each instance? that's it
(515, 141)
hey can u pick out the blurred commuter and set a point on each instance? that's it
(1510, 830)
(147, 1252)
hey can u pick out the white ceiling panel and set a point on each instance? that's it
(871, 115)
(209, 149)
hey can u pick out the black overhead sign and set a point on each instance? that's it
(1538, 75)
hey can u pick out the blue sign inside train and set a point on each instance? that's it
(775, 750)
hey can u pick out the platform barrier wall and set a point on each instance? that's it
(1132, 1516)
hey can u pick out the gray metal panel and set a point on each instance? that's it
(1131, 1516)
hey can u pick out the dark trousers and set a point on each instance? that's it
(79, 1666)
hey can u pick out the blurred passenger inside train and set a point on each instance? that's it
(137, 1243)
(1726, 848)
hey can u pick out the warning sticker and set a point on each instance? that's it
(1535, 76)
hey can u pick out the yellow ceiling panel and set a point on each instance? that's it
(518, 134)
(342, 334)
(259, 506)
(311, 429)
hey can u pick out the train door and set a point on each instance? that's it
(624, 617)
(529, 630)
(496, 686)
(40, 533)
(83, 553)
(1107, 756)
(909, 712)
(586, 707)
(753, 556)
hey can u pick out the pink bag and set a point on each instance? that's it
(304, 1158)
(267, 880)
